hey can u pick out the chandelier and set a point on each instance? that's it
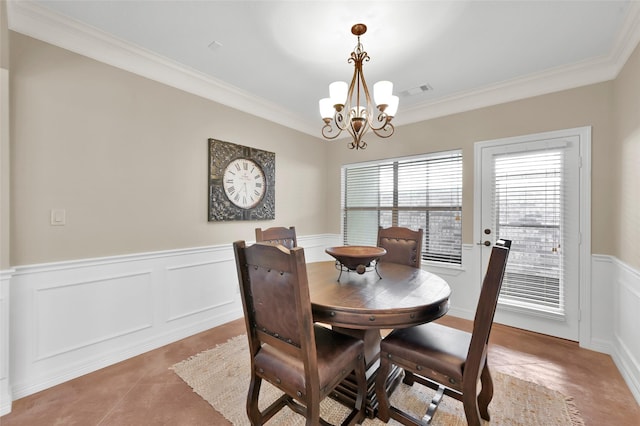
(349, 107)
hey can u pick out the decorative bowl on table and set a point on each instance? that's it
(356, 258)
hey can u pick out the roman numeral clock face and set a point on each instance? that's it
(244, 183)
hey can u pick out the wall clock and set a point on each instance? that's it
(241, 182)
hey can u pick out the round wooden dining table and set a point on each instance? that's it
(362, 305)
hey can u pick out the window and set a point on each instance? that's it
(418, 192)
(528, 208)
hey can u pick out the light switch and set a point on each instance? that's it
(58, 217)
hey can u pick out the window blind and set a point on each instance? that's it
(419, 192)
(528, 209)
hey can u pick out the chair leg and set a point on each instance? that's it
(470, 403)
(358, 413)
(255, 417)
(313, 410)
(312, 422)
(381, 391)
(361, 380)
(486, 393)
(409, 378)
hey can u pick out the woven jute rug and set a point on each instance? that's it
(221, 377)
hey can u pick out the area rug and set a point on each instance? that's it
(221, 377)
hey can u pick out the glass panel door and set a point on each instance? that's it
(530, 195)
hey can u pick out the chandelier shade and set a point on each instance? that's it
(349, 106)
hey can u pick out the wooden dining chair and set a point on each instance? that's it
(403, 245)
(304, 360)
(278, 235)
(447, 359)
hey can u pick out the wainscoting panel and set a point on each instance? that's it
(5, 384)
(71, 318)
(626, 309)
(84, 313)
(603, 286)
(464, 281)
(194, 288)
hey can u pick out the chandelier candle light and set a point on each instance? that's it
(344, 109)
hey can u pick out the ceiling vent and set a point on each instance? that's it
(416, 90)
(215, 45)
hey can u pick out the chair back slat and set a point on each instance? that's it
(403, 245)
(279, 344)
(275, 290)
(278, 235)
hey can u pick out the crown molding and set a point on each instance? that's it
(38, 22)
(628, 37)
(593, 71)
(43, 24)
(550, 81)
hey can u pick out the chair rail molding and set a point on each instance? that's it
(66, 319)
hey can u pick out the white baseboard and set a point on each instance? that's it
(6, 398)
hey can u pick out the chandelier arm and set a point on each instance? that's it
(385, 131)
(328, 129)
(370, 123)
(381, 121)
(341, 119)
(353, 86)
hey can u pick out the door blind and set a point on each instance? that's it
(419, 192)
(528, 209)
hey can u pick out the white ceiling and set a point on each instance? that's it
(275, 59)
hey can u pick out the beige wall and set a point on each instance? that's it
(627, 120)
(587, 106)
(127, 157)
(4, 36)
(4, 139)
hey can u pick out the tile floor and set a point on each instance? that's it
(143, 391)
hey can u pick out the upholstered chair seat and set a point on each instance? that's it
(334, 350)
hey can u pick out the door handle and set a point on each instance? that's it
(484, 243)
